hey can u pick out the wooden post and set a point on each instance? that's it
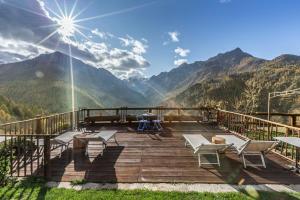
(125, 114)
(293, 120)
(38, 128)
(287, 131)
(71, 121)
(77, 119)
(218, 117)
(88, 113)
(47, 157)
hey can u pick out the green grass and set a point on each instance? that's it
(35, 189)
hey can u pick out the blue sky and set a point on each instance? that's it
(200, 29)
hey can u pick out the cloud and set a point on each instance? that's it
(138, 47)
(15, 51)
(101, 34)
(174, 36)
(224, 1)
(182, 52)
(30, 23)
(180, 62)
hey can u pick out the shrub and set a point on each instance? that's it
(4, 164)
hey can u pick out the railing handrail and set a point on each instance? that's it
(274, 114)
(260, 119)
(35, 118)
(153, 108)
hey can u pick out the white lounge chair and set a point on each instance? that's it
(6, 138)
(250, 148)
(64, 139)
(202, 146)
(2, 139)
(102, 136)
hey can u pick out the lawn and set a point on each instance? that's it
(35, 189)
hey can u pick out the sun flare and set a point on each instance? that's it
(66, 26)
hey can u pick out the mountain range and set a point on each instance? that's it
(232, 80)
(44, 82)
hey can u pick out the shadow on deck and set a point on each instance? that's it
(162, 157)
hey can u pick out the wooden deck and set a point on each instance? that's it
(149, 157)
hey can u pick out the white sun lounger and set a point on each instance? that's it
(64, 139)
(250, 148)
(2, 139)
(102, 136)
(7, 138)
(202, 146)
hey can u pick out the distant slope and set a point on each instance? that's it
(45, 82)
(168, 84)
(12, 111)
(248, 91)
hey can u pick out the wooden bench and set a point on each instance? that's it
(94, 119)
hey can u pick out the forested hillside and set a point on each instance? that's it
(248, 91)
(11, 111)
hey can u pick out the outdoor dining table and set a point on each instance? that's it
(294, 141)
(151, 120)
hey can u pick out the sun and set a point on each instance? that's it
(66, 26)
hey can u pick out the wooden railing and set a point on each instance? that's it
(259, 129)
(25, 145)
(292, 119)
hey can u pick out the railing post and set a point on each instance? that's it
(125, 113)
(71, 121)
(287, 131)
(38, 128)
(293, 120)
(77, 119)
(218, 117)
(47, 157)
(269, 130)
(208, 113)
